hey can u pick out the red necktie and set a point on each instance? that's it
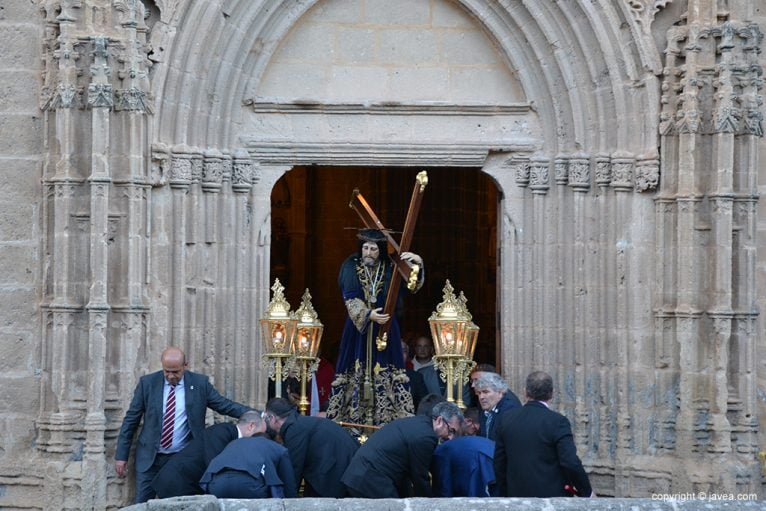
(168, 421)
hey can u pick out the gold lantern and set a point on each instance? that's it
(454, 337)
(308, 335)
(277, 332)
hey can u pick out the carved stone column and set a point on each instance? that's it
(704, 230)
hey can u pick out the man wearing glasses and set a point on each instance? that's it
(394, 462)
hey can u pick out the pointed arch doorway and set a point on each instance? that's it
(313, 230)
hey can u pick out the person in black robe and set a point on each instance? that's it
(319, 449)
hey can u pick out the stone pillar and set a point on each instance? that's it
(622, 184)
(703, 233)
(579, 181)
(259, 283)
(180, 181)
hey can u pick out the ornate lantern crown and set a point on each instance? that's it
(308, 329)
(277, 324)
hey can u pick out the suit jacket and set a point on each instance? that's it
(320, 450)
(181, 474)
(147, 403)
(535, 455)
(462, 467)
(394, 461)
(508, 402)
(435, 385)
(418, 387)
(260, 457)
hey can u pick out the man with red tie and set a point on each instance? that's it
(173, 403)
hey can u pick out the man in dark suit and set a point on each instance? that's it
(319, 449)
(251, 468)
(394, 462)
(181, 474)
(418, 387)
(172, 403)
(535, 455)
(495, 398)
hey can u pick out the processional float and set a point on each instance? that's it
(291, 339)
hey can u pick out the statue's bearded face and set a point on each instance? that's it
(370, 253)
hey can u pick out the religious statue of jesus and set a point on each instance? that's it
(370, 384)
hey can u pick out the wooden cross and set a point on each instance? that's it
(407, 272)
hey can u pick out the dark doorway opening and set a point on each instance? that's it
(313, 230)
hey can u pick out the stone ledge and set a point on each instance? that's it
(210, 503)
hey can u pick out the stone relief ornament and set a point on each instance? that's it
(100, 95)
(242, 171)
(643, 11)
(63, 97)
(689, 115)
(132, 99)
(180, 169)
(520, 169)
(622, 171)
(603, 170)
(196, 168)
(579, 173)
(561, 170)
(212, 170)
(538, 175)
(647, 174)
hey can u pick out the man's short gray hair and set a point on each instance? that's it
(250, 416)
(446, 411)
(490, 381)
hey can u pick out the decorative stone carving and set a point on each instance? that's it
(196, 167)
(242, 171)
(100, 95)
(689, 115)
(579, 173)
(67, 11)
(538, 174)
(643, 11)
(603, 170)
(561, 170)
(180, 167)
(520, 169)
(99, 90)
(647, 173)
(132, 99)
(727, 115)
(722, 204)
(159, 165)
(212, 171)
(226, 164)
(622, 171)
(63, 97)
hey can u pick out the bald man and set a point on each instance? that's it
(173, 403)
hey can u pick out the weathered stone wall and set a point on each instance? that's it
(689, 503)
(22, 138)
(141, 141)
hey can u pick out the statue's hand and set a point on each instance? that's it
(378, 317)
(411, 258)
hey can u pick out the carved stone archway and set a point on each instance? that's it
(638, 296)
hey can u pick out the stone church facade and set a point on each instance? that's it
(140, 142)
